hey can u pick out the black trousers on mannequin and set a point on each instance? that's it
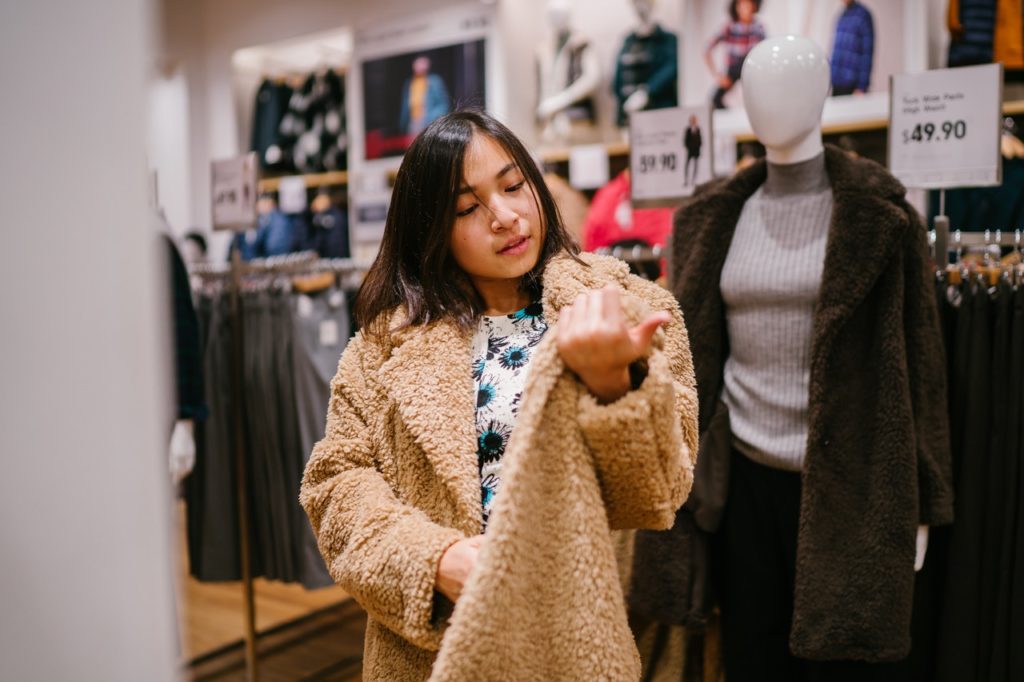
(755, 570)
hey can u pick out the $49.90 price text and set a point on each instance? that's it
(931, 132)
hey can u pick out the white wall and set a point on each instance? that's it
(84, 503)
(168, 140)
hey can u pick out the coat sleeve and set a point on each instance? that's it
(926, 366)
(645, 443)
(382, 552)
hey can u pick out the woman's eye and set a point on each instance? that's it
(516, 187)
(466, 211)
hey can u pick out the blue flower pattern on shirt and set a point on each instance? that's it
(502, 348)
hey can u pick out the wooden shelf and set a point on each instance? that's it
(837, 129)
(1014, 108)
(312, 180)
(562, 155)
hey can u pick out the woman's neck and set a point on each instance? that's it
(502, 297)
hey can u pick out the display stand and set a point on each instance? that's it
(241, 489)
(941, 226)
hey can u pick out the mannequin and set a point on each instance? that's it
(647, 66)
(801, 278)
(790, 127)
(569, 73)
(189, 398)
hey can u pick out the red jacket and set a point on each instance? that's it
(612, 218)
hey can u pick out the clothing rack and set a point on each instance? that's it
(958, 238)
(994, 269)
(306, 262)
(634, 254)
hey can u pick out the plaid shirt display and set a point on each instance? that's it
(854, 48)
(739, 39)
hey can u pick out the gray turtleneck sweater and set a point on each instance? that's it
(770, 285)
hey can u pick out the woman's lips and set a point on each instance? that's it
(517, 247)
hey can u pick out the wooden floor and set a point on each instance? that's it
(326, 646)
(210, 617)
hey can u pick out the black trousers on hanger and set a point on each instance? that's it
(755, 571)
(1015, 618)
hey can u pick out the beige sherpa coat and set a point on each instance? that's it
(395, 482)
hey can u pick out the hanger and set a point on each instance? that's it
(1010, 144)
(954, 272)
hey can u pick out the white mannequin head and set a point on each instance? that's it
(785, 83)
(559, 15)
(644, 12)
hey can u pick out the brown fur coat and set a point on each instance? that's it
(878, 460)
(395, 482)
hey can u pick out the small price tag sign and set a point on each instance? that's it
(671, 153)
(291, 194)
(233, 192)
(944, 127)
(588, 166)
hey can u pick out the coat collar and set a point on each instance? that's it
(429, 377)
(867, 224)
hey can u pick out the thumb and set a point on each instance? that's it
(642, 334)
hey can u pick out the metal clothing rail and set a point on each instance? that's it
(634, 254)
(306, 262)
(992, 268)
(959, 238)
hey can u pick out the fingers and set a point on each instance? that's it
(642, 334)
(583, 311)
(611, 306)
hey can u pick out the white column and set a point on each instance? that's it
(84, 498)
(915, 46)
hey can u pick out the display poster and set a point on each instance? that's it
(671, 153)
(865, 42)
(944, 127)
(413, 72)
(233, 192)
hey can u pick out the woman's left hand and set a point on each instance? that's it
(596, 344)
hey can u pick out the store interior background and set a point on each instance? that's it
(102, 94)
(201, 99)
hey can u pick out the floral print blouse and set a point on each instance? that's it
(502, 347)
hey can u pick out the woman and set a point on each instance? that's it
(739, 35)
(476, 276)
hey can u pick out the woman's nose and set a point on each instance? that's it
(502, 216)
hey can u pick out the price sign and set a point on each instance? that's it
(588, 166)
(944, 127)
(671, 153)
(233, 192)
(291, 194)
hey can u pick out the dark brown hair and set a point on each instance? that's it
(415, 266)
(735, 14)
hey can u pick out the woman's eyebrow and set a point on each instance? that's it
(508, 167)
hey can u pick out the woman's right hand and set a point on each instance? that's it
(455, 566)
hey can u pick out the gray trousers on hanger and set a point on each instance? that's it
(320, 326)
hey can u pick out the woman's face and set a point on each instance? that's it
(745, 10)
(498, 231)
